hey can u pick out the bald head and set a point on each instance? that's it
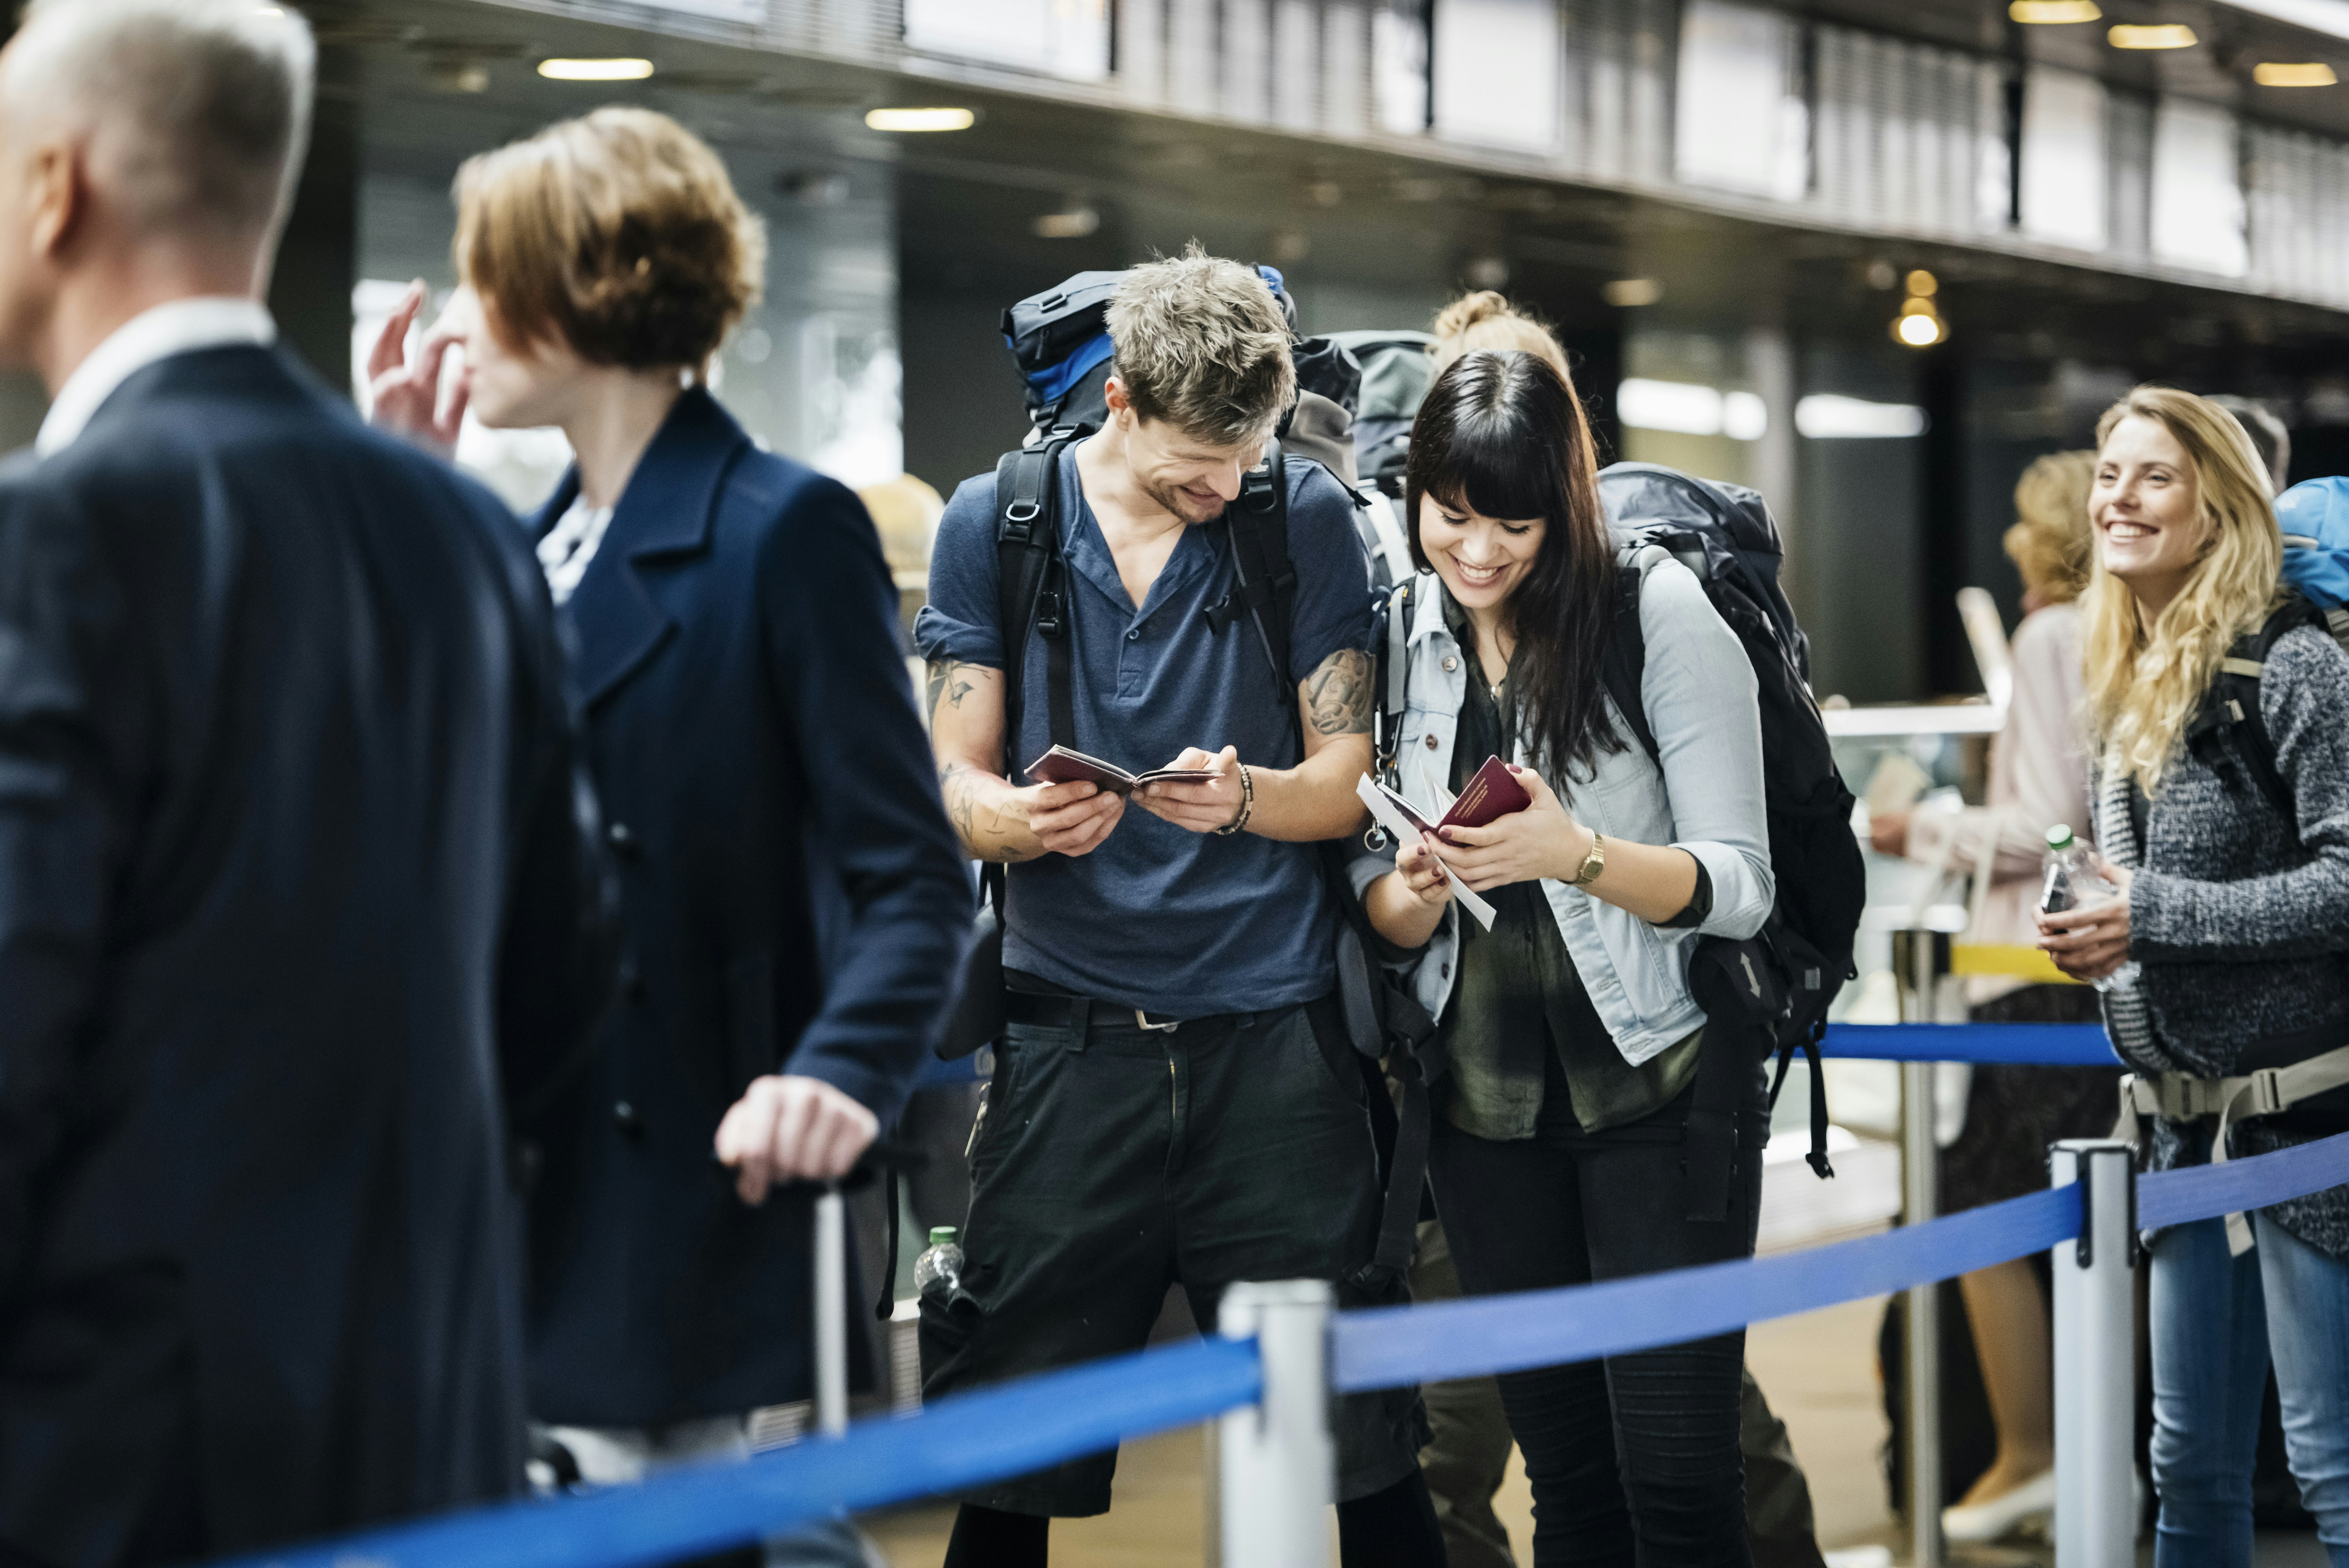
(191, 115)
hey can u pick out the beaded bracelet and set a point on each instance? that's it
(1247, 805)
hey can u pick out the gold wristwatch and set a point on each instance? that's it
(1593, 863)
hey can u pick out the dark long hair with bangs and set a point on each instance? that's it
(1501, 433)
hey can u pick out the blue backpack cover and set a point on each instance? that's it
(2314, 517)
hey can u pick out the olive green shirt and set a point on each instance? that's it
(1518, 995)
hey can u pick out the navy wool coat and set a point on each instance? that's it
(793, 899)
(299, 893)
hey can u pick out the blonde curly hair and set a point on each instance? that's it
(2144, 682)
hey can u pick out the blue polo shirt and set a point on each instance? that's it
(1178, 924)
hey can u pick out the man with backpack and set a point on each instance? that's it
(1174, 1098)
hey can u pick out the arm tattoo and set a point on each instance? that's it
(959, 783)
(946, 682)
(1338, 694)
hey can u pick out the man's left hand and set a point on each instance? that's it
(790, 1129)
(1198, 808)
(1540, 841)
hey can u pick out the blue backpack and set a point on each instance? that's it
(2314, 518)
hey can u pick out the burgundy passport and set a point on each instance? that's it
(1493, 792)
(1064, 765)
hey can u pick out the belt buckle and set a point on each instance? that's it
(1141, 1021)
(2267, 1093)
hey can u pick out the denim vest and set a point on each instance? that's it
(1706, 798)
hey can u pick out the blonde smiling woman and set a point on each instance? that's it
(2235, 905)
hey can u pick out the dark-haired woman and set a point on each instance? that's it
(1573, 1036)
(749, 720)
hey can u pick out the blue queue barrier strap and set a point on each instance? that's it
(959, 1442)
(1385, 1347)
(2166, 1198)
(1985, 1044)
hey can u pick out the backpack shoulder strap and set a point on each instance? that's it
(1265, 589)
(2234, 700)
(1032, 583)
(1626, 659)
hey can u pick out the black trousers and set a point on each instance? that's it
(1108, 1167)
(1633, 1460)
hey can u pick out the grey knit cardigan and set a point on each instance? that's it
(2240, 919)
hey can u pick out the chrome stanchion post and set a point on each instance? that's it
(1275, 1460)
(2096, 1360)
(1920, 959)
(830, 1312)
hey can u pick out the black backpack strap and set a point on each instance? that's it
(1032, 585)
(1265, 581)
(1621, 667)
(2233, 703)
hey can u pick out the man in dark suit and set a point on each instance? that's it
(299, 893)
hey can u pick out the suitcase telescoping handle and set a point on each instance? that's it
(829, 1306)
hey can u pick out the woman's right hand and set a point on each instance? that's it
(1420, 874)
(404, 394)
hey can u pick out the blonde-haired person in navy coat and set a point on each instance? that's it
(754, 740)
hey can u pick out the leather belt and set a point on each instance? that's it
(1062, 1012)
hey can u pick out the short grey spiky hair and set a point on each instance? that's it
(1202, 343)
(196, 112)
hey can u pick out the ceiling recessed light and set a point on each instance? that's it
(1631, 293)
(2152, 35)
(1919, 329)
(916, 119)
(2046, 12)
(611, 71)
(2276, 73)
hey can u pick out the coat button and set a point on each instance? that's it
(625, 1117)
(624, 841)
(1450, 664)
(1431, 743)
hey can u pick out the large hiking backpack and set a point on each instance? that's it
(1725, 535)
(1396, 373)
(2314, 518)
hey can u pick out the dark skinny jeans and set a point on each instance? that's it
(1634, 1461)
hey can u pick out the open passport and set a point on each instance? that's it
(1493, 792)
(1062, 764)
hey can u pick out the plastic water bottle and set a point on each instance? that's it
(937, 1272)
(2071, 879)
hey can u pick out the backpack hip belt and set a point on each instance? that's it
(2183, 1097)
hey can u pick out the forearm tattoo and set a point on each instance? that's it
(959, 784)
(1338, 694)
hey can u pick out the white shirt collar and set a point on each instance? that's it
(180, 327)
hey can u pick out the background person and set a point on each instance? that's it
(2238, 912)
(2270, 440)
(297, 903)
(793, 900)
(2038, 777)
(1184, 938)
(1573, 1037)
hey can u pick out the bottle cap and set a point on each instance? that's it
(2059, 836)
(942, 1235)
